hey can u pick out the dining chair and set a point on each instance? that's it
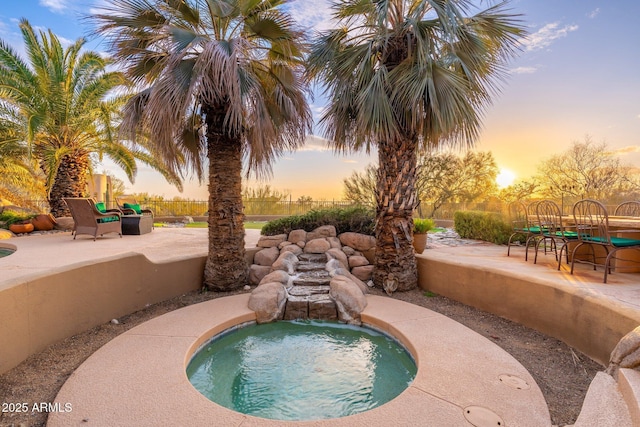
(592, 226)
(523, 225)
(553, 230)
(630, 208)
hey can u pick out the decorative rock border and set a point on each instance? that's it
(312, 275)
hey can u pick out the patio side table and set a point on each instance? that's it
(137, 224)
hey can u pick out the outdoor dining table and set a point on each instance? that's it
(619, 226)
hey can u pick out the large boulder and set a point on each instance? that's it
(322, 231)
(257, 273)
(334, 242)
(335, 268)
(283, 244)
(364, 273)
(626, 354)
(357, 261)
(339, 255)
(295, 249)
(271, 241)
(266, 256)
(268, 301)
(6, 234)
(317, 246)
(277, 276)
(349, 299)
(297, 236)
(287, 261)
(358, 241)
(64, 223)
(348, 250)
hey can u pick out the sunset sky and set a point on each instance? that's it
(578, 74)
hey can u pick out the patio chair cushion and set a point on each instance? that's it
(134, 206)
(101, 207)
(621, 242)
(567, 234)
(534, 229)
(108, 219)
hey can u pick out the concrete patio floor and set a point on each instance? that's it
(39, 254)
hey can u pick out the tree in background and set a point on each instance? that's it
(360, 187)
(263, 200)
(60, 103)
(587, 170)
(220, 83)
(405, 76)
(520, 190)
(445, 178)
(442, 177)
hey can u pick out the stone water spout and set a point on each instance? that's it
(311, 275)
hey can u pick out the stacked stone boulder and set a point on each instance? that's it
(311, 275)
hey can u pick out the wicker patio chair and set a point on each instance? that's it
(88, 220)
(592, 224)
(129, 206)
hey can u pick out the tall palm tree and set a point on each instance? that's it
(221, 81)
(61, 103)
(404, 75)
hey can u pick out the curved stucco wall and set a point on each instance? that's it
(43, 310)
(583, 320)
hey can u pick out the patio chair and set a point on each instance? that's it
(88, 220)
(592, 225)
(553, 230)
(631, 208)
(129, 206)
(521, 217)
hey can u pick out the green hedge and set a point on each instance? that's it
(490, 227)
(358, 220)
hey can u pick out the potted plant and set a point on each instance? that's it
(43, 222)
(421, 227)
(17, 223)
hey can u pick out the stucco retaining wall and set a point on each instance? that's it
(47, 308)
(583, 320)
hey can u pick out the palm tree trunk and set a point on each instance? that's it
(395, 262)
(70, 181)
(226, 267)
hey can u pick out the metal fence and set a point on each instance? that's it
(251, 207)
(294, 207)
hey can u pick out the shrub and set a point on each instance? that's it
(10, 217)
(423, 225)
(358, 220)
(490, 227)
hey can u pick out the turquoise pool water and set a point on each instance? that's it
(6, 252)
(301, 370)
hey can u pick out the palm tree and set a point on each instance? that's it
(221, 82)
(61, 103)
(20, 182)
(404, 75)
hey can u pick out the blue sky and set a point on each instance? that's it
(577, 75)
